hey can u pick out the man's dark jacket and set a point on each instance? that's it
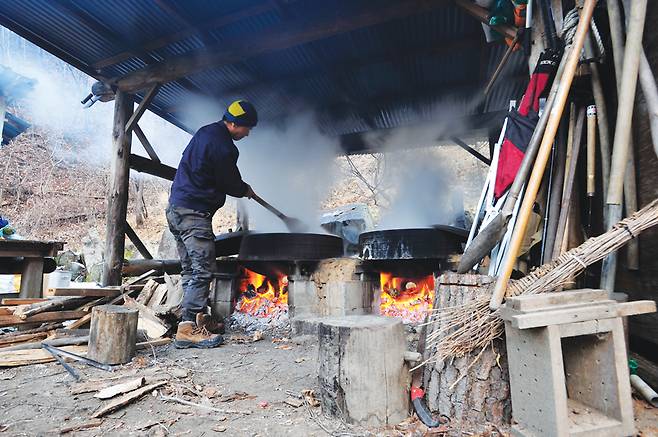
(208, 171)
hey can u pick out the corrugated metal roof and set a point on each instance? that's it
(397, 72)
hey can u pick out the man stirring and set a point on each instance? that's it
(206, 174)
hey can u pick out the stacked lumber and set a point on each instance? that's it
(26, 325)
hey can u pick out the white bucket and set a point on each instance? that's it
(59, 279)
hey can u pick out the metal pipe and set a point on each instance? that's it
(645, 390)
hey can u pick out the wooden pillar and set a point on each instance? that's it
(117, 195)
(32, 278)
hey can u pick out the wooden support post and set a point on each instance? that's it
(146, 143)
(143, 106)
(117, 196)
(113, 334)
(32, 278)
(130, 233)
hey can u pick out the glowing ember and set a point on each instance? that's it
(407, 298)
(260, 297)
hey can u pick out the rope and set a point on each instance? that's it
(569, 30)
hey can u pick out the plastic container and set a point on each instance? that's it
(59, 278)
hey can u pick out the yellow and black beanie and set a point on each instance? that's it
(241, 113)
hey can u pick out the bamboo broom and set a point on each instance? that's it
(464, 328)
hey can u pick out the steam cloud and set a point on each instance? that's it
(291, 166)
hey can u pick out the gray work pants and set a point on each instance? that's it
(196, 248)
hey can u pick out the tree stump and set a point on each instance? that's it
(113, 333)
(475, 395)
(363, 377)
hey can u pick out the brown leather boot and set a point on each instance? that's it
(189, 335)
(210, 323)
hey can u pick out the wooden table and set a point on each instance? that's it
(32, 253)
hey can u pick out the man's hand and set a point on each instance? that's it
(250, 193)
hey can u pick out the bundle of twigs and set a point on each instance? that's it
(464, 328)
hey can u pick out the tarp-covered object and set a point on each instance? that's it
(521, 123)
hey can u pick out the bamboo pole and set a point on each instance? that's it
(630, 186)
(620, 149)
(555, 187)
(574, 150)
(543, 154)
(591, 150)
(648, 83)
(602, 120)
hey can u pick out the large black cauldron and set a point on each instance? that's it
(411, 244)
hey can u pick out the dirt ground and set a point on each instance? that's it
(249, 382)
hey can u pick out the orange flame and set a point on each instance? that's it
(259, 297)
(407, 298)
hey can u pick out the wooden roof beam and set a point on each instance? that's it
(281, 37)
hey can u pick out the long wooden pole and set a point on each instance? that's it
(572, 162)
(543, 154)
(117, 195)
(620, 148)
(648, 83)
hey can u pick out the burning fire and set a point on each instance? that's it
(260, 297)
(407, 298)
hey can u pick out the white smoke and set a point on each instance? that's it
(292, 166)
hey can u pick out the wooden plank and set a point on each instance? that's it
(86, 292)
(142, 107)
(282, 36)
(561, 316)
(13, 339)
(23, 301)
(7, 311)
(34, 356)
(146, 143)
(636, 307)
(117, 191)
(543, 300)
(55, 316)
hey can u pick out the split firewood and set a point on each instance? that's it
(207, 407)
(293, 402)
(87, 292)
(79, 427)
(51, 316)
(146, 293)
(148, 321)
(112, 391)
(151, 376)
(126, 399)
(25, 311)
(159, 295)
